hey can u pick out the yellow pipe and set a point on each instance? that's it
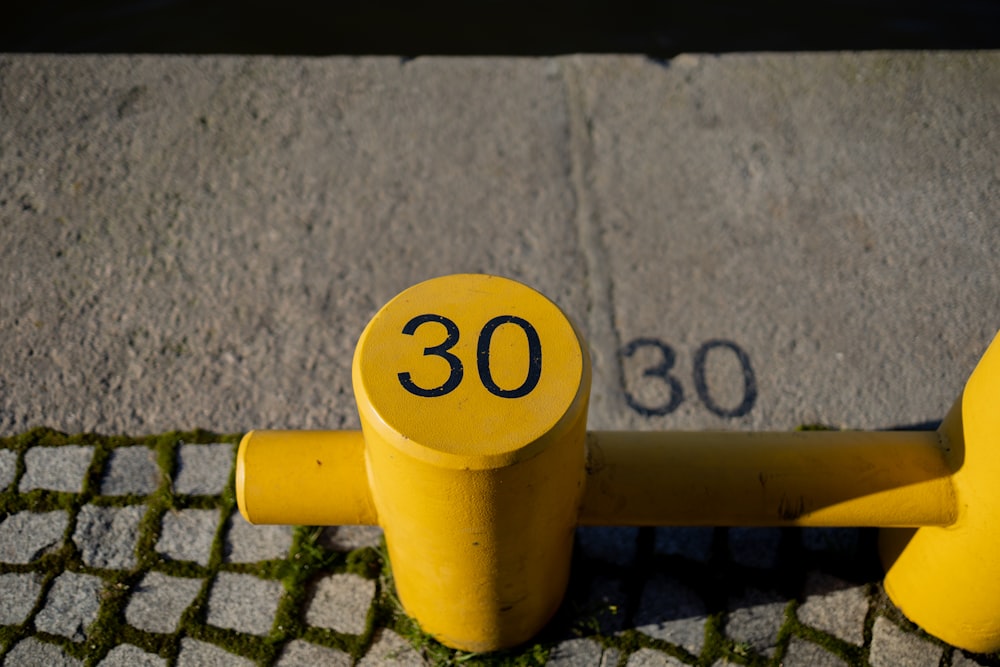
(812, 478)
(312, 478)
(885, 479)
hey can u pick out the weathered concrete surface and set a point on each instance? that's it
(199, 241)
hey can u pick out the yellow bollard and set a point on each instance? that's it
(474, 458)
(946, 579)
(472, 392)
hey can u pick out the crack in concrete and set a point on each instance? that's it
(602, 326)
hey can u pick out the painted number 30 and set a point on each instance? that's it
(663, 371)
(482, 357)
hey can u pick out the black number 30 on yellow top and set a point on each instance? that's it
(412, 367)
(483, 349)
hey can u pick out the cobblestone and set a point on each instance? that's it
(843, 541)
(388, 648)
(71, 605)
(247, 543)
(107, 536)
(340, 602)
(671, 611)
(27, 535)
(8, 467)
(19, 592)
(349, 538)
(131, 470)
(159, 600)
(575, 653)
(802, 653)
(892, 647)
(646, 657)
(582, 653)
(56, 468)
(243, 602)
(30, 652)
(187, 535)
(299, 653)
(756, 618)
(127, 655)
(833, 606)
(754, 547)
(692, 543)
(203, 470)
(611, 544)
(668, 607)
(196, 653)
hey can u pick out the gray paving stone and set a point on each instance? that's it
(8, 467)
(31, 652)
(692, 543)
(611, 657)
(802, 653)
(127, 655)
(19, 592)
(158, 601)
(196, 653)
(187, 535)
(27, 535)
(340, 602)
(388, 648)
(243, 602)
(894, 647)
(131, 470)
(671, 611)
(754, 547)
(56, 468)
(349, 538)
(834, 606)
(71, 605)
(247, 543)
(106, 536)
(582, 653)
(203, 470)
(647, 657)
(959, 659)
(611, 544)
(835, 540)
(299, 653)
(755, 618)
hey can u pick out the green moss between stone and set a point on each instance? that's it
(306, 562)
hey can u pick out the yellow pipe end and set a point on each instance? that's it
(315, 478)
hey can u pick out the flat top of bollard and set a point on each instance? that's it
(470, 371)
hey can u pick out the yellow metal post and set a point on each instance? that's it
(947, 579)
(474, 458)
(472, 392)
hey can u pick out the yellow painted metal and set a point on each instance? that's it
(314, 478)
(811, 478)
(478, 492)
(947, 580)
(474, 458)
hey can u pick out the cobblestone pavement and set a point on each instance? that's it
(119, 551)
